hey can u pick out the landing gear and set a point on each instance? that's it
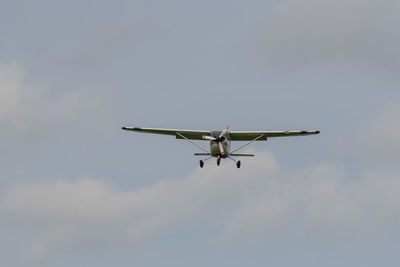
(238, 164)
(218, 161)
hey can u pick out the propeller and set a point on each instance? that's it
(205, 137)
(221, 149)
(218, 139)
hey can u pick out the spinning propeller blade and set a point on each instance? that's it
(224, 132)
(221, 149)
(205, 137)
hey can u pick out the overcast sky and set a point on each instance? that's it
(76, 190)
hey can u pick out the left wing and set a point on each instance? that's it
(189, 134)
(263, 135)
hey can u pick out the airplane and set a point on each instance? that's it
(220, 141)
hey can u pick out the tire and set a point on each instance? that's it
(238, 164)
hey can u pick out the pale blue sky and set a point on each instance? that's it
(77, 190)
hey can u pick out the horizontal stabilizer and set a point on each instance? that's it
(202, 154)
(241, 155)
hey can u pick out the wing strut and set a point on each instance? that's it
(193, 143)
(255, 139)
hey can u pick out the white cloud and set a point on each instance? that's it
(356, 33)
(322, 201)
(27, 108)
(64, 213)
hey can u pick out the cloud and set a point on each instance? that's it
(321, 201)
(353, 33)
(379, 140)
(66, 214)
(27, 108)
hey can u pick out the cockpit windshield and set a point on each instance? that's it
(216, 134)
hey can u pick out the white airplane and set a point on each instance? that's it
(220, 141)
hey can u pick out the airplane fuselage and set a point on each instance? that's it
(226, 145)
(214, 149)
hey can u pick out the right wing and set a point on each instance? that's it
(189, 134)
(263, 135)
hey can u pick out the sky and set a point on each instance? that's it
(77, 190)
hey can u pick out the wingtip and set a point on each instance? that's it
(317, 132)
(131, 128)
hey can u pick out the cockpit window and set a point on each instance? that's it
(218, 133)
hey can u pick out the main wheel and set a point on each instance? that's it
(238, 164)
(201, 164)
(218, 161)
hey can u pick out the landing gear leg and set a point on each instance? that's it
(218, 160)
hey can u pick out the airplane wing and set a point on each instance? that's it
(189, 134)
(263, 135)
